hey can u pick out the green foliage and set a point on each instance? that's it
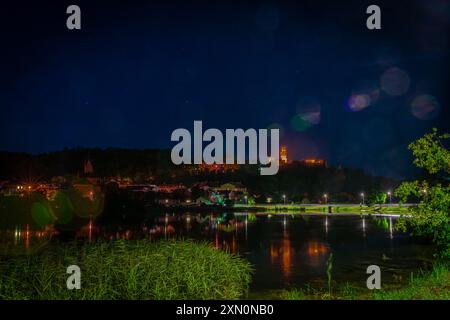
(432, 285)
(348, 291)
(376, 198)
(431, 216)
(329, 270)
(430, 153)
(127, 270)
(382, 223)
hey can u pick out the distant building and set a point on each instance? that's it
(88, 168)
(314, 162)
(232, 191)
(86, 190)
(212, 168)
(284, 155)
(169, 188)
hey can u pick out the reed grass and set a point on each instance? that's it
(127, 270)
(431, 285)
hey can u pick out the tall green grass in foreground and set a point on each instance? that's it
(127, 270)
(433, 285)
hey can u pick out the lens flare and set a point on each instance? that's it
(309, 109)
(300, 123)
(395, 82)
(308, 114)
(361, 98)
(425, 107)
(358, 101)
(41, 214)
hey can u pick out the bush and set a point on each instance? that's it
(378, 198)
(127, 270)
(431, 216)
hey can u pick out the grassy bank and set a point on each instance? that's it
(127, 270)
(298, 208)
(432, 285)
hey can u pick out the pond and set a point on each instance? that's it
(291, 250)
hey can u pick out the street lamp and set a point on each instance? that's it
(245, 197)
(326, 198)
(390, 197)
(284, 198)
(362, 197)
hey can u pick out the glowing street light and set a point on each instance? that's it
(362, 198)
(246, 199)
(284, 198)
(390, 197)
(326, 198)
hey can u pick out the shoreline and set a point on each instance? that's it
(394, 210)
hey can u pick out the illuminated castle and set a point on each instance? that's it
(283, 155)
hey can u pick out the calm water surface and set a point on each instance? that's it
(290, 251)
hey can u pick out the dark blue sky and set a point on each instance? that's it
(138, 70)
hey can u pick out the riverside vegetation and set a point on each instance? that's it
(127, 270)
(431, 285)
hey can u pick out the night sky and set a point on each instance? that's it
(138, 70)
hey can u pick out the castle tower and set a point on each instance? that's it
(283, 155)
(88, 168)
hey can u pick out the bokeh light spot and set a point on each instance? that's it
(309, 109)
(395, 82)
(358, 102)
(41, 214)
(62, 207)
(300, 123)
(425, 107)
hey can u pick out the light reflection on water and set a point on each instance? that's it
(286, 250)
